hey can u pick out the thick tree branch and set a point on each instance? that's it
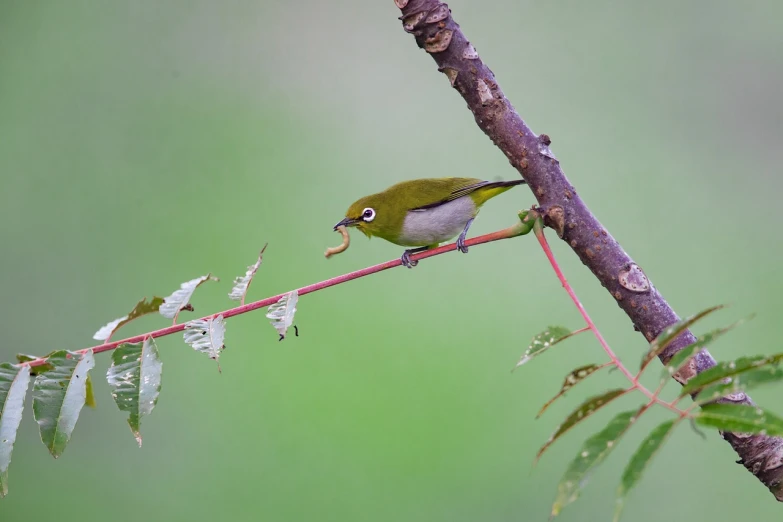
(436, 32)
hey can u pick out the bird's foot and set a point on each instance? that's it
(461, 245)
(461, 239)
(406, 259)
(406, 256)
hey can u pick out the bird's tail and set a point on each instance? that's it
(509, 184)
(490, 189)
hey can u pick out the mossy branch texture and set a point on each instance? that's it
(435, 31)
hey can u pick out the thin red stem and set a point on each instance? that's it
(635, 384)
(583, 329)
(552, 261)
(506, 233)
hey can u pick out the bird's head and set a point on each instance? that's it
(370, 215)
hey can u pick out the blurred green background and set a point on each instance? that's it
(145, 143)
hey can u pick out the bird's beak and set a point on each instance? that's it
(347, 222)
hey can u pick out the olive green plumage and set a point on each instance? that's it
(423, 212)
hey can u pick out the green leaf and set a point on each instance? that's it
(35, 370)
(180, 299)
(58, 397)
(281, 314)
(142, 308)
(14, 381)
(739, 418)
(633, 471)
(725, 369)
(89, 398)
(740, 383)
(543, 341)
(660, 343)
(135, 376)
(593, 452)
(206, 336)
(684, 356)
(571, 380)
(242, 283)
(586, 409)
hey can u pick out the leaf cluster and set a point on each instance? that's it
(62, 382)
(712, 390)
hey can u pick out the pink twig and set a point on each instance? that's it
(635, 384)
(506, 233)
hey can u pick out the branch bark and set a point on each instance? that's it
(435, 31)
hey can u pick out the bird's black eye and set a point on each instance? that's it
(368, 214)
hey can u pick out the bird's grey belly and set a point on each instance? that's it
(437, 224)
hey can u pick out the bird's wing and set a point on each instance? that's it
(472, 186)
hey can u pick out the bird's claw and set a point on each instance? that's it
(407, 261)
(461, 246)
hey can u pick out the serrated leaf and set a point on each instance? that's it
(740, 383)
(281, 314)
(739, 418)
(14, 381)
(543, 341)
(725, 369)
(142, 308)
(206, 336)
(242, 283)
(135, 376)
(669, 334)
(684, 356)
(639, 461)
(59, 396)
(174, 303)
(593, 452)
(571, 380)
(35, 370)
(584, 410)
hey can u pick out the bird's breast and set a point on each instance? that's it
(437, 224)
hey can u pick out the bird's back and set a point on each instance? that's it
(419, 193)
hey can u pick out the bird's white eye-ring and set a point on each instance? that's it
(368, 214)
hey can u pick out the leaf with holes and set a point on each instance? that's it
(684, 356)
(35, 370)
(206, 336)
(543, 341)
(740, 383)
(725, 369)
(281, 314)
(586, 409)
(660, 343)
(593, 452)
(571, 380)
(142, 308)
(639, 461)
(180, 299)
(242, 283)
(739, 418)
(14, 381)
(135, 375)
(59, 396)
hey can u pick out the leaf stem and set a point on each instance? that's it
(538, 229)
(505, 233)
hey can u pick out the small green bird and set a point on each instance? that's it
(423, 212)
